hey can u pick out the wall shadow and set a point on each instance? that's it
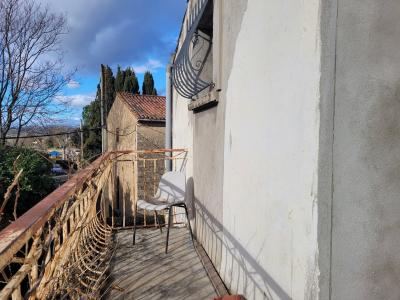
(250, 277)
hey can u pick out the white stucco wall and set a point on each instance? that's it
(254, 157)
(271, 152)
(182, 129)
(295, 170)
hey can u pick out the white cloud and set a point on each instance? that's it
(79, 100)
(99, 31)
(72, 84)
(150, 65)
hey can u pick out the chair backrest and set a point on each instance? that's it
(172, 187)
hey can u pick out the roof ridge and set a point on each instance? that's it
(140, 95)
(152, 95)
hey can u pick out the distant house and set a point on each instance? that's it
(135, 122)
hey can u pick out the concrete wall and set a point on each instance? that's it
(254, 157)
(366, 206)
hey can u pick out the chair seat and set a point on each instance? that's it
(154, 204)
(170, 192)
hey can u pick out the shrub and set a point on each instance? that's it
(35, 181)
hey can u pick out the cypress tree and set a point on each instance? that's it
(119, 80)
(91, 115)
(148, 84)
(131, 83)
(91, 119)
(135, 82)
(110, 88)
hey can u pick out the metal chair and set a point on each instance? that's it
(170, 193)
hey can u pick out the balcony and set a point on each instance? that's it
(74, 245)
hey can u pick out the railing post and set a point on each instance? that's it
(154, 187)
(123, 211)
(114, 190)
(144, 191)
(135, 178)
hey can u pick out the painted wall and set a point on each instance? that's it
(271, 152)
(254, 163)
(366, 206)
(295, 171)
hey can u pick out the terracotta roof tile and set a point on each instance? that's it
(146, 107)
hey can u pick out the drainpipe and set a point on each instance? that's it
(168, 121)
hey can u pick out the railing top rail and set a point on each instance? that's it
(14, 236)
(149, 151)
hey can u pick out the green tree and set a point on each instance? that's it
(148, 84)
(35, 181)
(131, 83)
(109, 88)
(119, 80)
(91, 120)
(91, 115)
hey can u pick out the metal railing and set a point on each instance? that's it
(62, 246)
(147, 168)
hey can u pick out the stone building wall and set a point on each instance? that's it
(126, 133)
(150, 136)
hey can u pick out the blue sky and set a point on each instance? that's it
(138, 33)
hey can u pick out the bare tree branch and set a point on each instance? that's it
(8, 193)
(31, 65)
(18, 191)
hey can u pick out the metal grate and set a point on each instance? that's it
(190, 62)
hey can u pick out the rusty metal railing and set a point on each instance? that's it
(37, 249)
(147, 167)
(62, 246)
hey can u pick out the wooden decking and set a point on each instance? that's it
(145, 272)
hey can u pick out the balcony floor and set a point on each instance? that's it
(144, 271)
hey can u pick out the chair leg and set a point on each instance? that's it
(169, 225)
(187, 217)
(134, 226)
(158, 221)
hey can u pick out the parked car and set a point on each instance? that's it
(57, 169)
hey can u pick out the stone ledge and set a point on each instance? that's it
(208, 100)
